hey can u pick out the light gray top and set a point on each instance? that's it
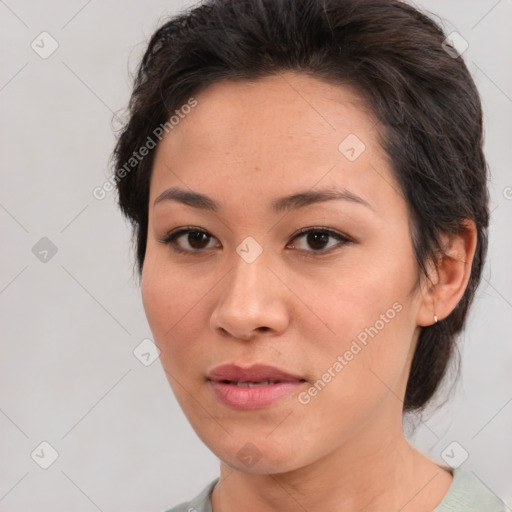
(466, 494)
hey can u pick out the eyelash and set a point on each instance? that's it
(170, 238)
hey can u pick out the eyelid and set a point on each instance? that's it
(181, 230)
(323, 229)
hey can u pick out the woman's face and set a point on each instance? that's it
(335, 309)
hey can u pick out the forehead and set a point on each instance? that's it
(282, 131)
(288, 108)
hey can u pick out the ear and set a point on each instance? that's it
(448, 281)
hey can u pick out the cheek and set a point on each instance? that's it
(359, 378)
(172, 305)
(363, 300)
(371, 318)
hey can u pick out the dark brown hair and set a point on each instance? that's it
(426, 102)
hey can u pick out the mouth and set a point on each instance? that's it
(255, 387)
(252, 384)
(255, 374)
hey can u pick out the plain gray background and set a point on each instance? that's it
(71, 320)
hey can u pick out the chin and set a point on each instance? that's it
(258, 455)
(263, 466)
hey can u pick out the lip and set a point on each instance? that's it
(254, 373)
(223, 381)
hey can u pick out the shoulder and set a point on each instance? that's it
(201, 503)
(468, 494)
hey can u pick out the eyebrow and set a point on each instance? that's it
(282, 204)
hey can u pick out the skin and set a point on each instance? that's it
(244, 145)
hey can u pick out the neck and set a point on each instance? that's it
(388, 474)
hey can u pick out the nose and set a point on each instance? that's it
(252, 301)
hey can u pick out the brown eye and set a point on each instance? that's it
(197, 240)
(317, 239)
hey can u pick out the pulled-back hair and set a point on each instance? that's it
(427, 105)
